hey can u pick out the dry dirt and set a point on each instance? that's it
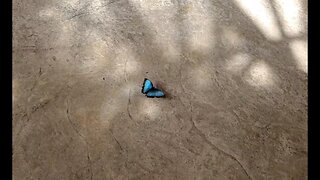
(235, 77)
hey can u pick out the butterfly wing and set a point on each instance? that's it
(147, 85)
(155, 93)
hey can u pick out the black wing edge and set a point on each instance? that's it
(156, 96)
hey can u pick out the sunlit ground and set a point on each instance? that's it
(235, 75)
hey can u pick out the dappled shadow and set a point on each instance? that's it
(236, 105)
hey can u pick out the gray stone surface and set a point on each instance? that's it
(234, 72)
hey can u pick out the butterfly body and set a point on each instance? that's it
(150, 91)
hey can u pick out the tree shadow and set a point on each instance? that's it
(225, 119)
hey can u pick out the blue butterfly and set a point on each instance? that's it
(150, 91)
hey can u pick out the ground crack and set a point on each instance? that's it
(39, 106)
(78, 14)
(125, 70)
(120, 146)
(37, 79)
(81, 137)
(89, 161)
(116, 140)
(73, 126)
(128, 105)
(203, 136)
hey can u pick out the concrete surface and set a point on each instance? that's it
(235, 73)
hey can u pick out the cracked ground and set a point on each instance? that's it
(234, 73)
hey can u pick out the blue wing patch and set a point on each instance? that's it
(155, 93)
(150, 91)
(147, 85)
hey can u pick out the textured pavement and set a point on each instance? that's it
(234, 72)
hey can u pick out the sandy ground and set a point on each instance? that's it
(234, 72)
